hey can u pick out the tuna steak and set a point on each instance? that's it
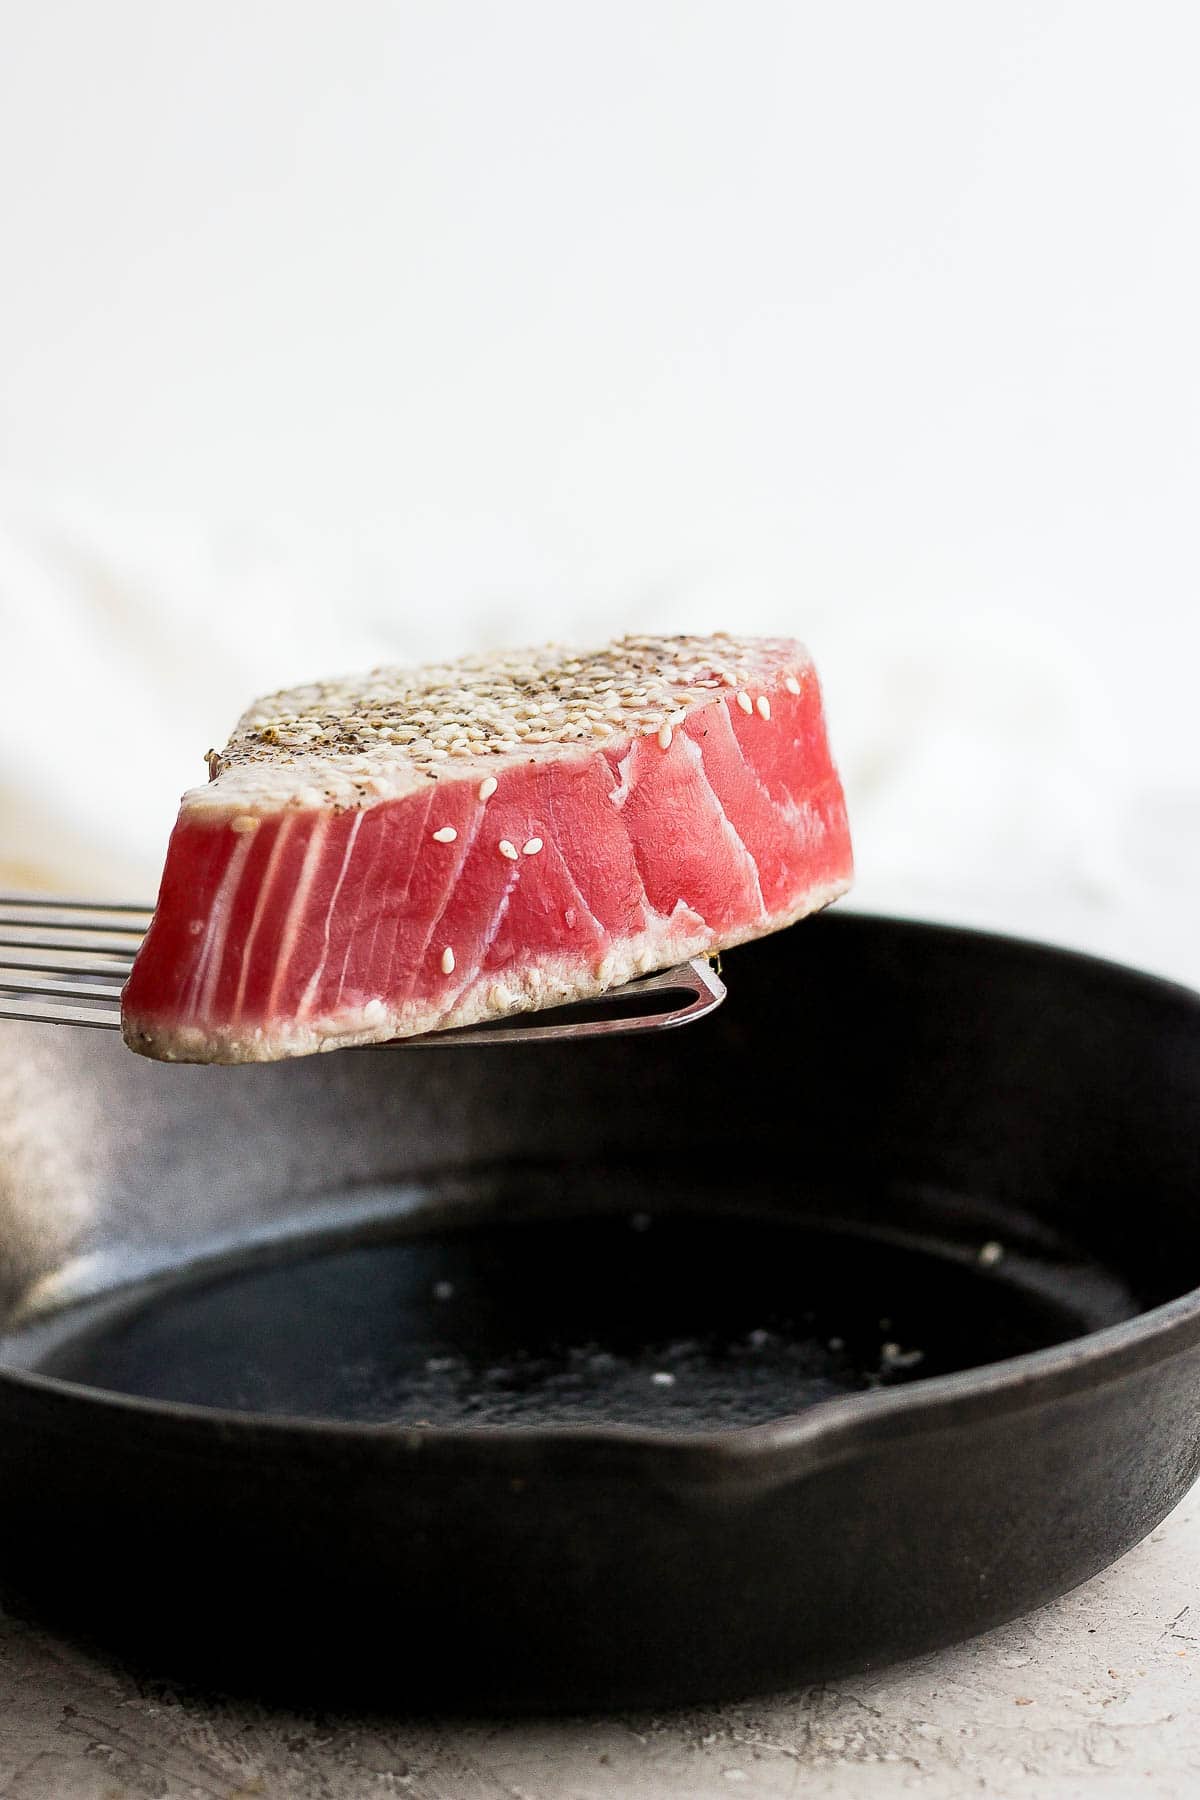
(424, 848)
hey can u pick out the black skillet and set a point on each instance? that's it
(852, 1321)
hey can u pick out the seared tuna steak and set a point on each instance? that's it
(418, 849)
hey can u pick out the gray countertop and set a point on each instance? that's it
(1093, 1698)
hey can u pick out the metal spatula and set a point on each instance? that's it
(64, 962)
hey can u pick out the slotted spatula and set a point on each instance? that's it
(64, 962)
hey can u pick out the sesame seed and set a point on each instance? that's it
(487, 788)
(663, 1378)
(791, 684)
(532, 847)
(447, 961)
(507, 849)
(745, 702)
(664, 736)
(244, 822)
(446, 835)
(764, 707)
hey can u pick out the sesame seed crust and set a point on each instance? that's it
(353, 742)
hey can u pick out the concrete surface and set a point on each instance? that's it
(1093, 1698)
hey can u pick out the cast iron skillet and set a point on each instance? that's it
(848, 1323)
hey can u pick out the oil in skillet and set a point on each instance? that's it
(681, 1322)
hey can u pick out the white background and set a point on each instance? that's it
(331, 333)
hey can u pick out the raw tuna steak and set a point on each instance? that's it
(424, 848)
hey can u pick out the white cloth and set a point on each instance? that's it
(1004, 765)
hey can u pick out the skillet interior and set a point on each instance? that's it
(897, 1152)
